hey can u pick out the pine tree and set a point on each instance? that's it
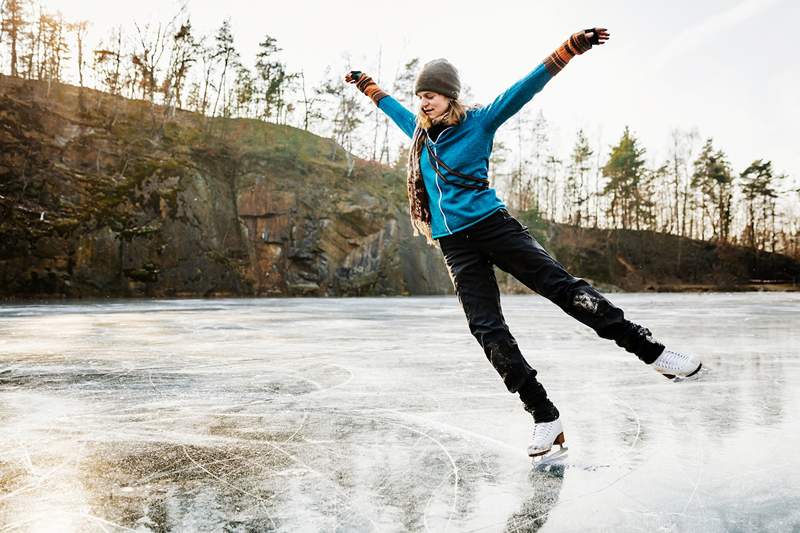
(625, 171)
(270, 73)
(759, 187)
(713, 178)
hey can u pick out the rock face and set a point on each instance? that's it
(103, 196)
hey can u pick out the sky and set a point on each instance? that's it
(726, 67)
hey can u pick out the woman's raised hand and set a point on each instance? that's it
(597, 35)
(365, 84)
(353, 76)
(578, 43)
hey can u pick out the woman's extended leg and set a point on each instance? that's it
(473, 278)
(514, 250)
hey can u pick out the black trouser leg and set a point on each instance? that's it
(514, 250)
(474, 281)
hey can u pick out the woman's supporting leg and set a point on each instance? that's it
(514, 250)
(476, 287)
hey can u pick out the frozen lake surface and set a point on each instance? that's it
(383, 414)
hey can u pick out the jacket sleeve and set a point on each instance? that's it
(508, 103)
(399, 114)
(511, 101)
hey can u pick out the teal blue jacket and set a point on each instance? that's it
(465, 148)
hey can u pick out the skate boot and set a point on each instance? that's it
(676, 365)
(545, 434)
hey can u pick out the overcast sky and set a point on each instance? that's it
(730, 68)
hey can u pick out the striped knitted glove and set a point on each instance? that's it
(577, 44)
(366, 85)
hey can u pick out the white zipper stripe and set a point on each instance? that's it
(440, 207)
(436, 177)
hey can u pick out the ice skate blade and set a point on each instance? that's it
(537, 455)
(697, 374)
(559, 440)
(691, 377)
(549, 459)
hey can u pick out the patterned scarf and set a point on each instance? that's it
(418, 205)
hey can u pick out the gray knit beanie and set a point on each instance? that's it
(439, 76)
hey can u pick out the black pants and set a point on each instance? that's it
(501, 240)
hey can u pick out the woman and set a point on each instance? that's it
(451, 202)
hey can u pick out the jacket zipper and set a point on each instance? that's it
(436, 177)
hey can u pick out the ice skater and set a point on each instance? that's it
(452, 203)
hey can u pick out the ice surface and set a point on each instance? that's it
(382, 414)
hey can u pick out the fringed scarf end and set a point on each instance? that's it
(420, 228)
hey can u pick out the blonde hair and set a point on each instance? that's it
(456, 111)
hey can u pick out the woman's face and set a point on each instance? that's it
(433, 104)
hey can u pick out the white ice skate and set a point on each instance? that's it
(545, 434)
(676, 365)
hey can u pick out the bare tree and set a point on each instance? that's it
(598, 171)
(575, 195)
(13, 24)
(403, 86)
(80, 29)
(151, 46)
(551, 177)
(679, 157)
(519, 182)
(540, 152)
(225, 51)
(497, 162)
(210, 60)
(310, 112)
(182, 56)
(378, 116)
(346, 109)
(108, 63)
(55, 48)
(29, 49)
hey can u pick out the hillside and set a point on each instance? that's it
(100, 196)
(630, 260)
(100, 199)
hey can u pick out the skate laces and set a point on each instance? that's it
(672, 360)
(541, 430)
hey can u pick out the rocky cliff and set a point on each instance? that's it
(104, 196)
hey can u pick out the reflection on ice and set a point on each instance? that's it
(383, 415)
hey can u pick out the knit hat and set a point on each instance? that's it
(439, 76)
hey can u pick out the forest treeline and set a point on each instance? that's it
(693, 192)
